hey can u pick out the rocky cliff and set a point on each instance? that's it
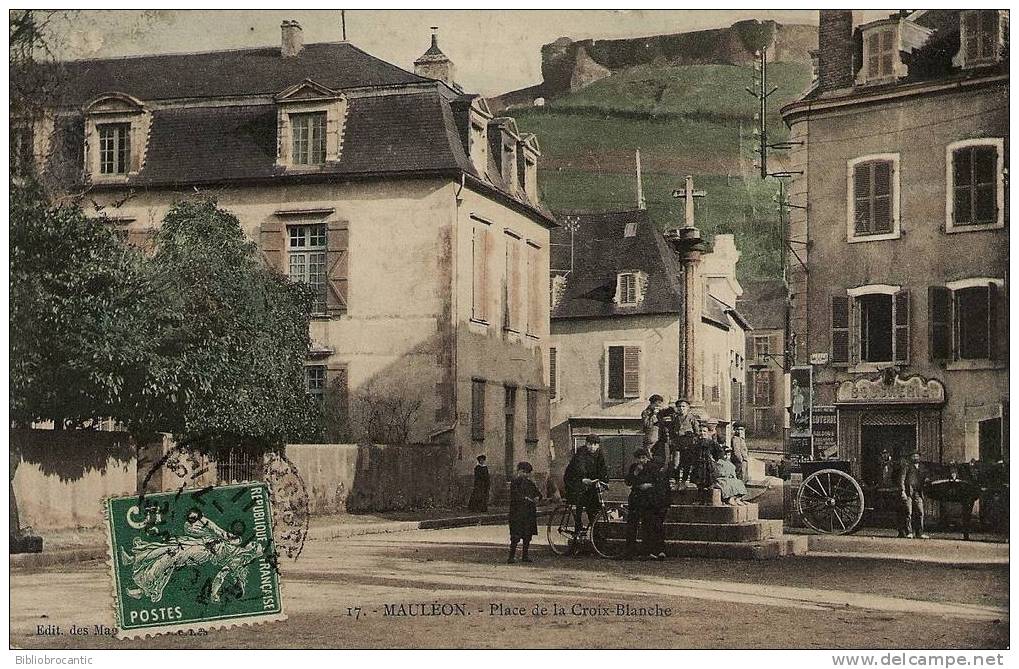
(568, 65)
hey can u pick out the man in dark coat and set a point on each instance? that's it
(911, 478)
(649, 421)
(640, 478)
(702, 469)
(482, 481)
(585, 471)
(523, 511)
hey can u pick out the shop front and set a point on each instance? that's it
(890, 414)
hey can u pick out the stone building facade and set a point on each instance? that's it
(902, 307)
(407, 205)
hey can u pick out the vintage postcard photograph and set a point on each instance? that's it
(510, 329)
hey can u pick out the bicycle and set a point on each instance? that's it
(606, 535)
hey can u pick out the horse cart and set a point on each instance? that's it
(832, 501)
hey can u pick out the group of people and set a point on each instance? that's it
(677, 450)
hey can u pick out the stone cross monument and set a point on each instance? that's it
(686, 242)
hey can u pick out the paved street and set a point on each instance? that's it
(830, 600)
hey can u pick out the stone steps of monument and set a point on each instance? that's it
(756, 530)
(695, 513)
(768, 549)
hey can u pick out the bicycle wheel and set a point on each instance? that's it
(608, 536)
(560, 529)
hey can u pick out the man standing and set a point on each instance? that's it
(586, 470)
(685, 429)
(911, 477)
(740, 452)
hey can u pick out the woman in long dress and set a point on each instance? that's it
(732, 488)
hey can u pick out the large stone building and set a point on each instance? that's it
(619, 304)
(411, 210)
(902, 305)
(764, 304)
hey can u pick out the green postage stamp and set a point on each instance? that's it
(193, 559)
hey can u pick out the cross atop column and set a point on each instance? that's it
(688, 194)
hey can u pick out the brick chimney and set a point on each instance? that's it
(835, 49)
(293, 39)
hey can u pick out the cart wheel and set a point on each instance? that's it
(831, 502)
(561, 535)
(608, 534)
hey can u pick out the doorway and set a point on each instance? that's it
(897, 439)
(510, 411)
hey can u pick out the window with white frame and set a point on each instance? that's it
(870, 325)
(306, 252)
(114, 148)
(309, 138)
(627, 289)
(315, 381)
(873, 198)
(623, 372)
(979, 36)
(965, 320)
(975, 193)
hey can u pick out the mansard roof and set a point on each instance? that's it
(600, 252)
(219, 74)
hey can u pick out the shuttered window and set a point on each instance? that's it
(979, 35)
(553, 372)
(762, 388)
(512, 285)
(478, 409)
(535, 283)
(479, 250)
(881, 53)
(964, 323)
(306, 254)
(531, 433)
(840, 330)
(872, 197)
(974, 180)
(626, 289)
(624, 372)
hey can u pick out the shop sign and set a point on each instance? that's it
(914, 390)
(801, 397)
(825, 427)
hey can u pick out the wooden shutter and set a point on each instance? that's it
(477, 410)
(615, 372)
(939, 318)
(993, 347)
(337, 264)
(271, 240)
(881, 216)
(553, 368)
(900, 327)
(480, 298)
(631, 371)
(751, 354)
(840, 329)
(985, 185)
(861, 198)
(531, 433)
(338, 395)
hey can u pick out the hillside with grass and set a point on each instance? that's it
(685, 119)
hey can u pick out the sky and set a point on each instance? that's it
(494, 51)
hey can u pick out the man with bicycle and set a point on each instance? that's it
(586, 471)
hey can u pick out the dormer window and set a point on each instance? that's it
(880, 47)
(630, 287)
(116, 129)
(979, 33)
(114, 148)
(309, 133)
(309, 123)
(630, 230)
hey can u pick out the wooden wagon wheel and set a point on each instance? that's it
(830, 501)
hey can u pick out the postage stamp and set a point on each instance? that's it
(193, 559)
